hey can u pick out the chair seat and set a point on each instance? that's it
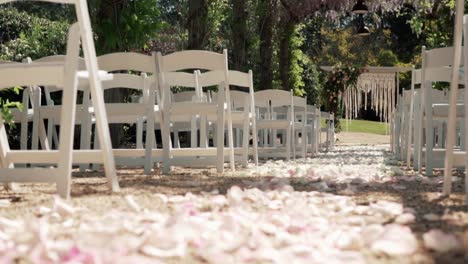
(442, 110)
(190, 108)
(275, 124)
(18, 114)
(54, 112)
(238, 117)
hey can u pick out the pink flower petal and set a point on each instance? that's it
(441, 242)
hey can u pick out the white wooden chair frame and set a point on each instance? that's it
(60, 75)
(243, 114)
(190, 125)
(52, 112)
(25, 115)
(134, 112)
(461, 28)
(300, 125)
(202, 60)
(329, 130)
(266, 102)
(313, 133)
(435, 68)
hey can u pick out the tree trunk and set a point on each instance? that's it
(288, 25)
(197, 24)
(239, 35)
(267, 22)
(110, 10)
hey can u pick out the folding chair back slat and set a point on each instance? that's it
(122, 61)
(440, 57)
(193, 59)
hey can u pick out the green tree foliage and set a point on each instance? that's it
(24, 36)
(124, 25)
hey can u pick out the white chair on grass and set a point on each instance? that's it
(65, 75)
(195, 60)
(270, 107)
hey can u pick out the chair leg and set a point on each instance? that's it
(97, 145)
(203, 132)
(193, 133)
(245, 142)
(429, 130)
(149, 142)
(67, 125)
(288, 144)
(167, 146)
(85, 140)
(255, 142)
(304, 143)
(416, 133)
(176, 138)
(43, 136)
(4, 148)
(139, 133)
(230, 135)
(97, 95)
(24, 133)
(220, 141)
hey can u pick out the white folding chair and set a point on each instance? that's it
(201, 60)
(329, 130)
(461, 28)
(134, 112)
(243, 113)
(189, 122)
(300, 126)
(52, 112)
(26, 115)
(401, 123)
(60, 74)
(271, 106)
(414, 102)
(313, 130)
(436, 67)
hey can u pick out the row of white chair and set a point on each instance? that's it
(270, 108)
(243, 115)
(265, 113)
(422, 116)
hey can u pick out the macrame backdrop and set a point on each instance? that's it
(379, 88)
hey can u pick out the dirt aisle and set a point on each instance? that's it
(351, 205)
(350, 138)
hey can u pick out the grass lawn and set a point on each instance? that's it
(363, 126)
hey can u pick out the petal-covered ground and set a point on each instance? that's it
(351, 205)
